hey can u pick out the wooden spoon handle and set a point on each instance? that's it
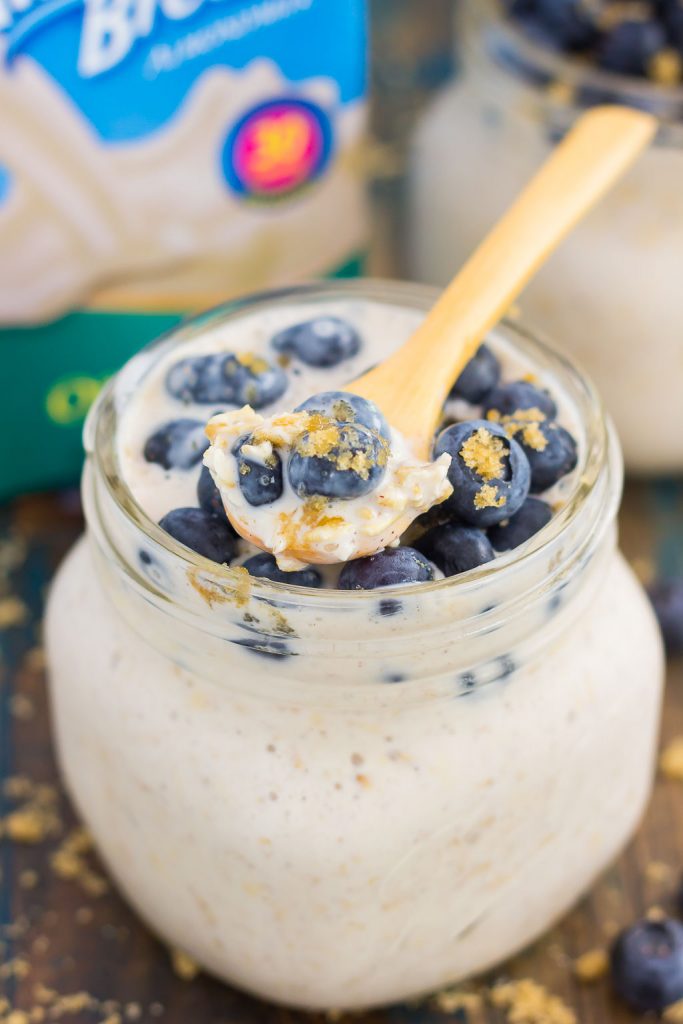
(412, 385)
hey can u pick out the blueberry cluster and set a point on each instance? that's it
(512, 451)
(226, 379)
(647, 964)
(500, 462)
(349, 467)
(643, 39)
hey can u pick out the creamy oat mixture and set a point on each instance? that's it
(335, 528)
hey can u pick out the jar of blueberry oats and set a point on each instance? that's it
(610, 296)
(346, 785)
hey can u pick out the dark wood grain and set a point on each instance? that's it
(113, 957)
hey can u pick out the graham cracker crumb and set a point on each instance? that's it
(671, 760)
(13, 612)
(34, 659)
(257, 364)
(488, 497)
(21, 707)
(15, 968)
(68, 862)
(527, 1002)
(16, 1017)
(658, 872)
(591, 966)
(28, 879)
(665, 67)
(452, 1000)
(29, 825)
(674, 1014)
(484, 453)
(184, 965)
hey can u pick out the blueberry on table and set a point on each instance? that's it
(551, 452)
(208, 495)
(631, 46)
(667, 601)
(265, 566)
(242, 379)
(260, 479)
(178, 444)
(339, 460)
(480, 376)
(454, 548)
(647, 964)
(519, 395)
(489, 472)
(344, 407)
(518, 529)
(323, 341)
(391, 567)
(206, 534)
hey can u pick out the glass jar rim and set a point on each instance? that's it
(597, 456)
(664, 100)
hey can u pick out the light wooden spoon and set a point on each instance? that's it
(411, 386)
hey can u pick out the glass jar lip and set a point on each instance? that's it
(597, 455)
(666, 101)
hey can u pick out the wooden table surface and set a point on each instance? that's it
(72, 941)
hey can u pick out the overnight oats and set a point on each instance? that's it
(610, 294)
(343, 785)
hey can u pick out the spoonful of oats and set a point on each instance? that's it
(346, 473)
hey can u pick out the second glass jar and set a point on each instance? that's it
(611, 295)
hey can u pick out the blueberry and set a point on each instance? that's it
(455, 548)
(647, 964)
(323, 341)
(551, 451)
(337, 461)
(206, 534)
(343, 407)
(667, 601)
(178, 444)
(255, 381)
(389, 568)
(531, 517)
(481, 374)
(509, 399)
(265, 566)
(243, 379)
(208, 495)
(260, 482)
(489, 472)
(630, 46)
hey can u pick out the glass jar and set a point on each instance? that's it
(341, 799)
(610, 296)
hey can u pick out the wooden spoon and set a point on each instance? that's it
(412, 385)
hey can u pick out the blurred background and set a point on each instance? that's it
(150, 170)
